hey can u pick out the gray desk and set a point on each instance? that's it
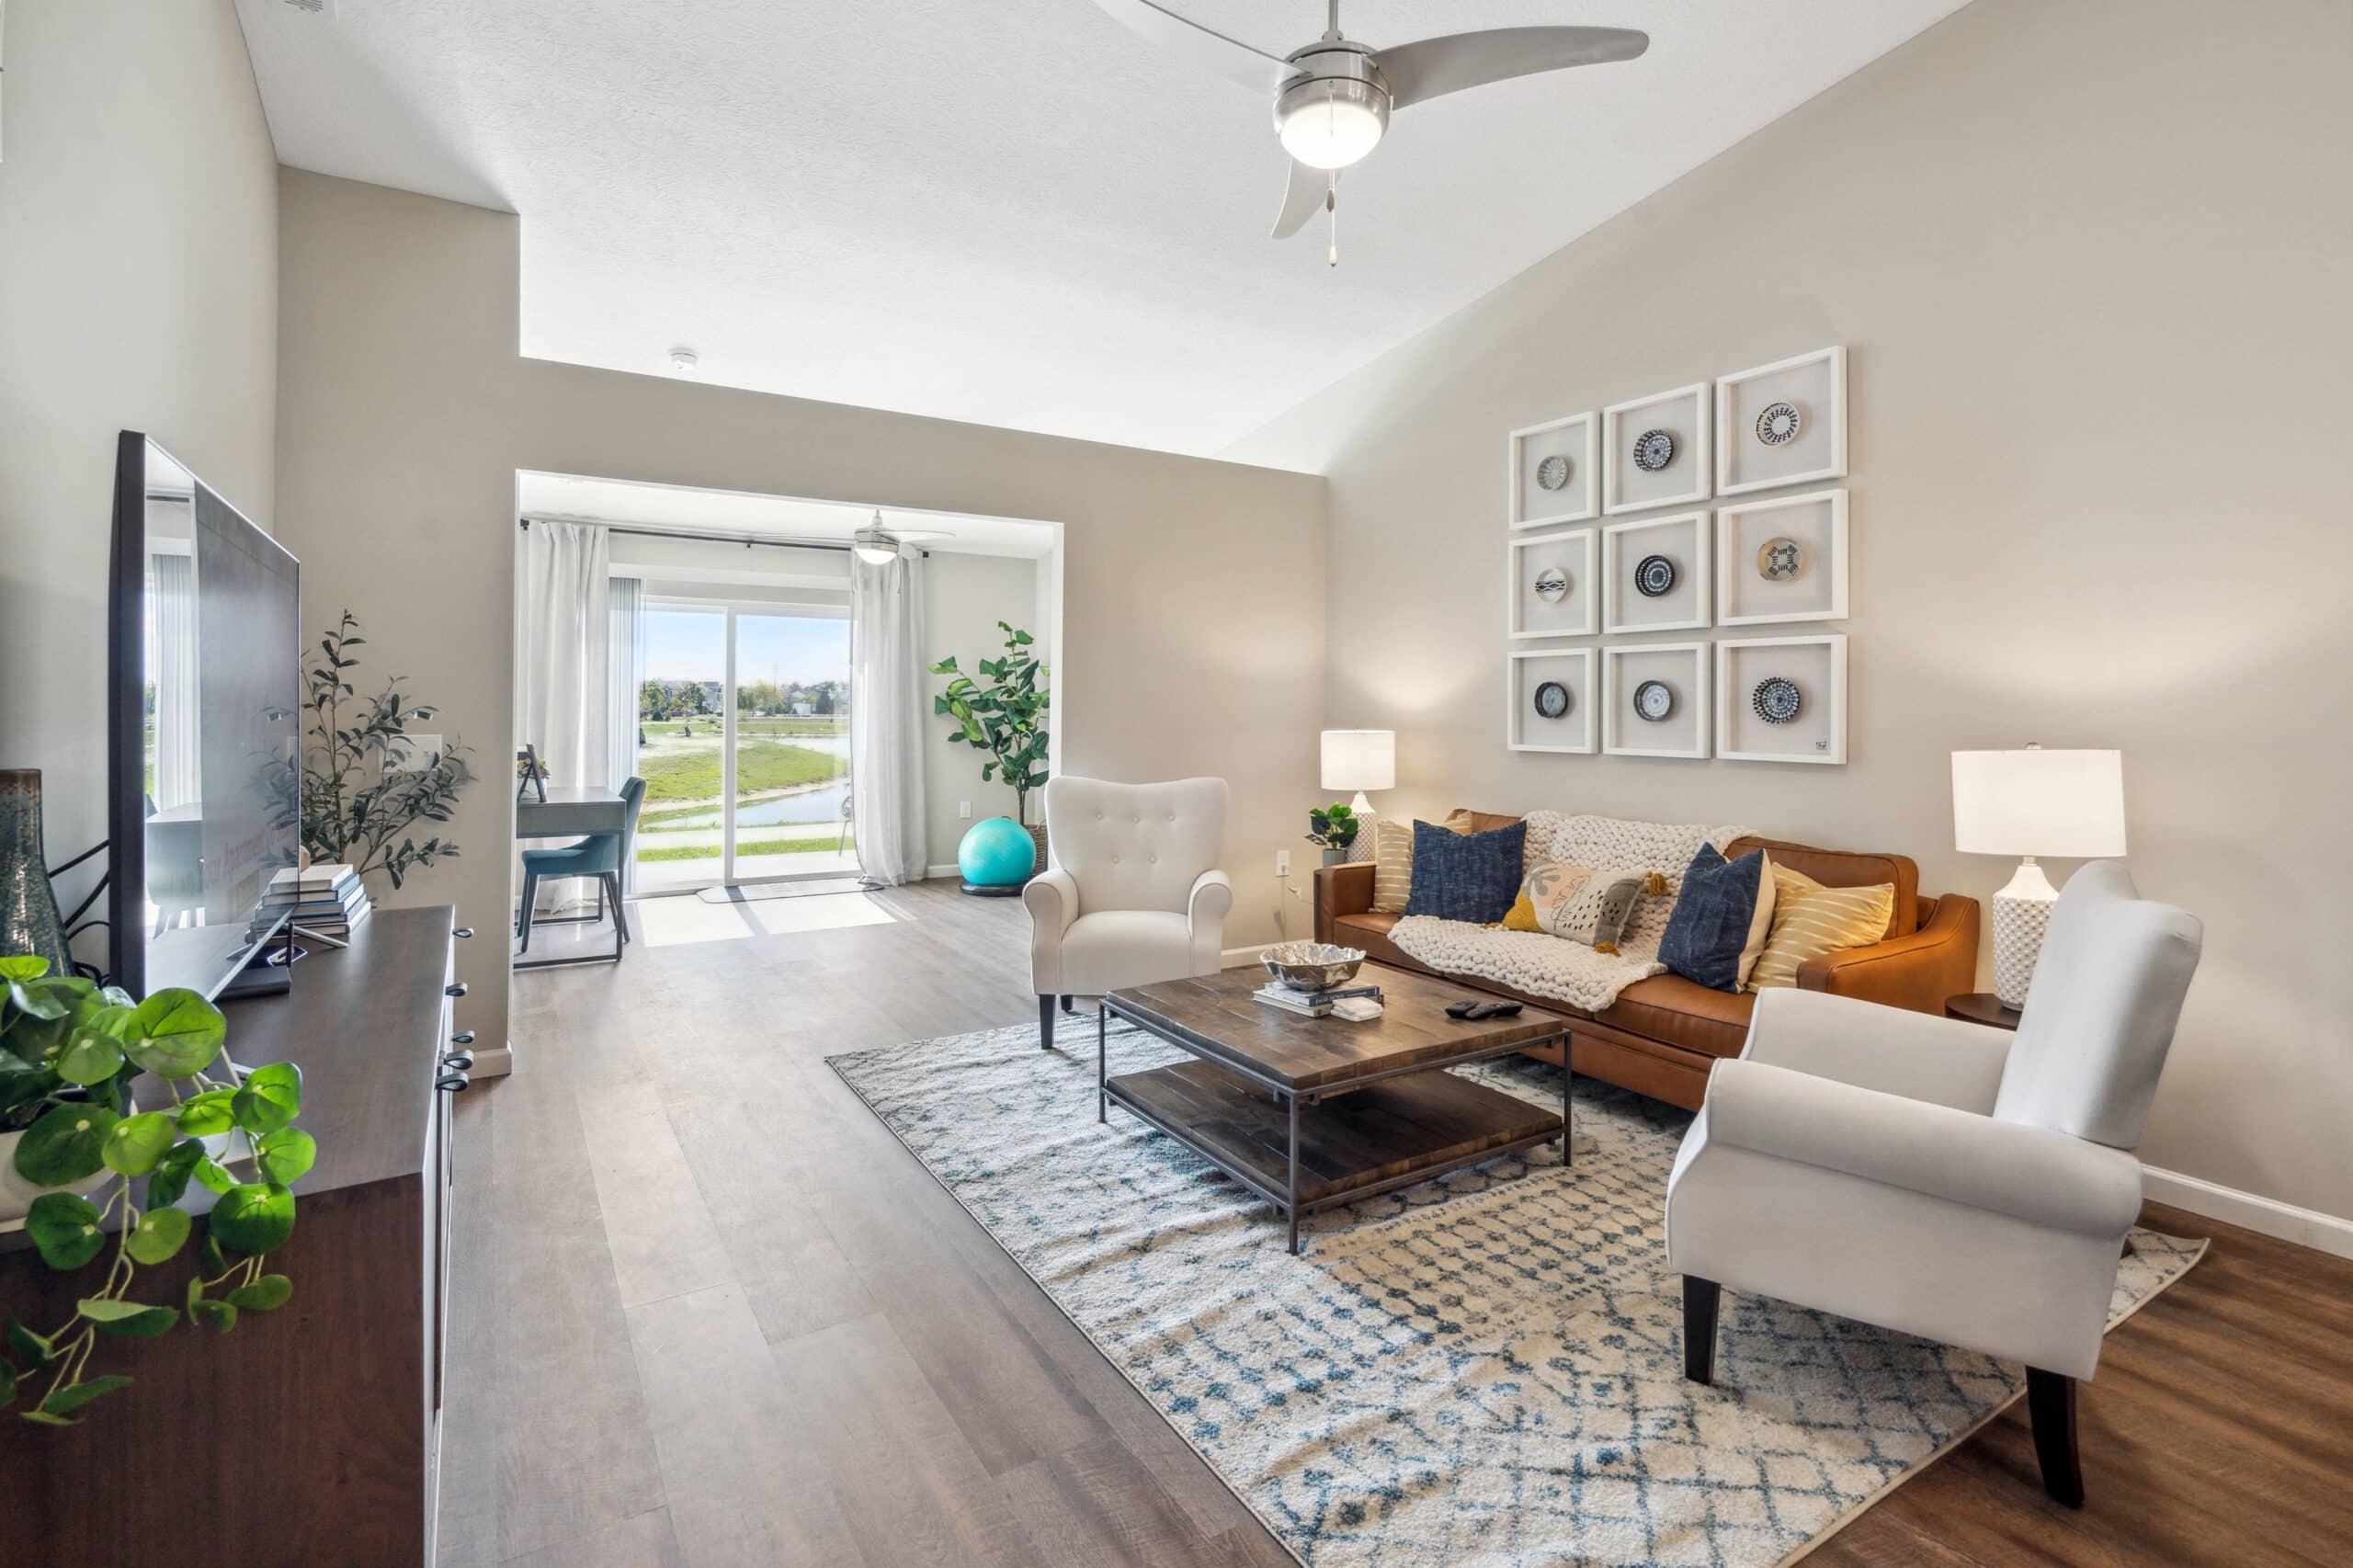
(570, 812)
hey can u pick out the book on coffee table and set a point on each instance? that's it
(1313, 1004)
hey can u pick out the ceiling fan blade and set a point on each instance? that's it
(908, 536)
(1434, 66)
(1301, 199)
(1230, 58)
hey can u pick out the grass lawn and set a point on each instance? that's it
(754, 847)
(760, 766)
(709, 724)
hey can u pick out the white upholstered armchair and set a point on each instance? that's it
(1943, 1178)
(1133, 895)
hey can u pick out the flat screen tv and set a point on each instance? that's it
(203, 730)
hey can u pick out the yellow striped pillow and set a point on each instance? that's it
(1393, 860)
(1810, 920)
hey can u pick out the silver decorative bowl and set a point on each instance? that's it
(1312, 966)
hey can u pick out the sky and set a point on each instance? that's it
(692, 645)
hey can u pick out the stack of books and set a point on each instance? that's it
(329, 899)
(1320, 1003)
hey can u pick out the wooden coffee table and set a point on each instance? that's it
(1311, 1112)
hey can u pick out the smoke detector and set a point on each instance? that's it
(312, 7)
(686, 361)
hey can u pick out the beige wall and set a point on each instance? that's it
(137, 290)
(964, 597)
(2090, 259)
(404, 412)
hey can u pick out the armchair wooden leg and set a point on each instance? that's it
(2051, 1403)
(1700, 1299)
(1046, 1022)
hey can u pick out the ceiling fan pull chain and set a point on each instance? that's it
(1332, 203)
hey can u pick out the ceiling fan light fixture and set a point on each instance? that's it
(875, 551)
(1330, 123)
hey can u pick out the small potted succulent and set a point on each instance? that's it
(92, 1172)
(1335, 827)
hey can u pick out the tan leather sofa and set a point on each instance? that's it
(1662, 1034)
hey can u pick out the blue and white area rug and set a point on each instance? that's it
(1484, 1372)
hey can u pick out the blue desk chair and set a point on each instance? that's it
(602, 856)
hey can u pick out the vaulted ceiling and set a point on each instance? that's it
(1010, 212)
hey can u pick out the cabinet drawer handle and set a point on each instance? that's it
(452, 1084)
(456, 990)
(463, 1037)
(462, 932)
(458, 1061)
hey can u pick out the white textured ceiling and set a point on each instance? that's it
(1010, 212)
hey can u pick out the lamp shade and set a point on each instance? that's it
(1360, 759)
(2034, 802)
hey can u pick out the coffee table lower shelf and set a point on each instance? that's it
(1304, 1153)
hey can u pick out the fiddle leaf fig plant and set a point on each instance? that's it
(69, 1049)
(1005, 718)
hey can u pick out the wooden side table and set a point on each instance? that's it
(1981, 1007)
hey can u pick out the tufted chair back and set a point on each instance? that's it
(1134, 846)
(2100, 1013)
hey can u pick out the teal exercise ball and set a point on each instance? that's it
(998, 853)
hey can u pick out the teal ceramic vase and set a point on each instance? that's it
(29, 919)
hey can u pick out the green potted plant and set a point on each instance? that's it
(1335, 827)
(104, 1174)
(1005, 718)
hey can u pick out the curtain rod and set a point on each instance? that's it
(747, 540)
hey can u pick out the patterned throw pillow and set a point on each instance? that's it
(1602, 906)
(1548, 886)
(1810, 920)
(1468, 877)
(1721, 919)
(1392, 860)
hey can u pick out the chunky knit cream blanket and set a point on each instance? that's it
(1554, 967)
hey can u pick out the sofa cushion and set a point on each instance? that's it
(1676, 1011)
(1810, 920)
(1469, 877)
(1369, 930)
(1393, 855)
(1721, 919)
(1843, 868)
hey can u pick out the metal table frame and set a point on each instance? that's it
(1285, 1200)
(570, 812)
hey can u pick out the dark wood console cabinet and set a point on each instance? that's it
(309, 1436)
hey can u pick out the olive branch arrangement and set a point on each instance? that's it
(69, 1049)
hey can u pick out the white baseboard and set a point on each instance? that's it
(2266, 1216)
(1242, 957)
(931, 872)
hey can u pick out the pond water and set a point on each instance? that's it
(809, 806)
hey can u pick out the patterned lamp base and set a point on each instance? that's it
(2021, 917)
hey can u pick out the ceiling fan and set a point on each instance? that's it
(1333, 99)
(877, 545)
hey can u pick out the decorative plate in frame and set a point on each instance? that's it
(1776, 699)
(1654, 576)
(1653, 449)
(1552, 585)
(1654, 701)
(1779, 560)
(1779, 423)
(1552, 701)
(1552, 473)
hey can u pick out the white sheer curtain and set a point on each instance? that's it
(563, 701)
(172, 590)
(886, 715)
(626, 660)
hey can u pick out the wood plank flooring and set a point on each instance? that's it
(707, 1314)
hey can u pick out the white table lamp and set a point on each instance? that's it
(2032, 803)
(1360, 760)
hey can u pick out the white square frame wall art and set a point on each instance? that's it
(1683, 415)
(1626, 549)
(1526, 726)
(1575, 610)
(1816, 668)
(1684, 669)
(1533, 505)
(1783, 424)
(1756, 583)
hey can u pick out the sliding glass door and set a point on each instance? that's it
(744, 743)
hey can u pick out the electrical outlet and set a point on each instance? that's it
(964, 808)
(1282, 862)
(412, 754)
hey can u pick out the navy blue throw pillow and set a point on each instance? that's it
(1715, 919)
(1466, 876)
